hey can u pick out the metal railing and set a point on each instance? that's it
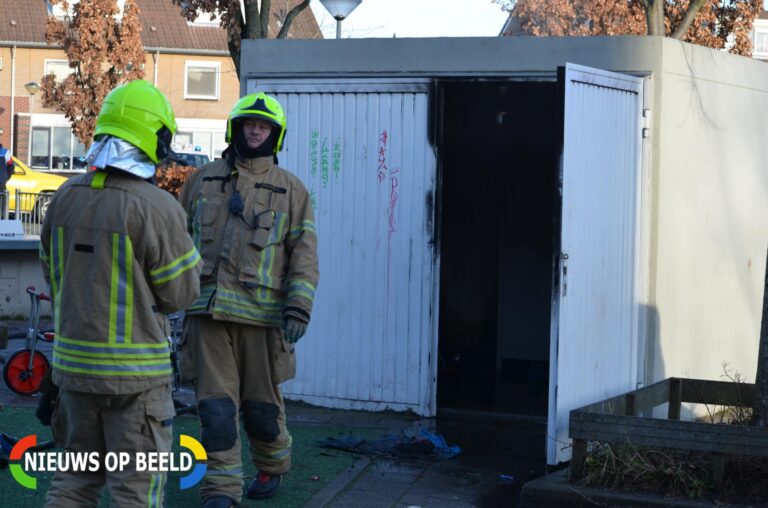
(4, 204)
(28, 207)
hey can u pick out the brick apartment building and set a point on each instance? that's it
(188, 61)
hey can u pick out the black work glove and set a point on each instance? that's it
(50, 393)
(294, 329)
(45, 409)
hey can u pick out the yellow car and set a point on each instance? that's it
(34, 183)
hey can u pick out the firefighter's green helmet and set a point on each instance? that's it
(259, 105)
(138, 113)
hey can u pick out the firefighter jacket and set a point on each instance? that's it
(117, 256)
(254, 227)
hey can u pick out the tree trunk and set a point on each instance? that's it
(654, 15)
(693, 8)
(234, 52)
(253, 20)
(266, 10)
(761, 397)
(234, 46)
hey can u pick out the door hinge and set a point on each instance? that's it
(646, 123)
(564, 265)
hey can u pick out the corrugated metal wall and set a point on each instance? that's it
(362, 149)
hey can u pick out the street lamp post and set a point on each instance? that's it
(340, 9)
(32, 88)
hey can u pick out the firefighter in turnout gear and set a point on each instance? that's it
(117, 256)
(253, 224)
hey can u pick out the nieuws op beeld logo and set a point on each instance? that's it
(25, 460)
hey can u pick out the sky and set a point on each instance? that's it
(415, 18)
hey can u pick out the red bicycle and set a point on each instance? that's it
(25, 369)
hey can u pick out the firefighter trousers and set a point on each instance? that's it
(89, 422)
(238, 369)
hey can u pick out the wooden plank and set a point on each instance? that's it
(612, 406)
(629, 409)
(646, 398)
(651, 396)
(675, 399)
(670, 433)
(723, 393)
(718, 470)
(578, 457)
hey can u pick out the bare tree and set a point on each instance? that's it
(243, 19)
(713, 23)
(102, 53)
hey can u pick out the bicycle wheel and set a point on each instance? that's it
(19, 377)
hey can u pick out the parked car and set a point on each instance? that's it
(196, 159)
(39, 185)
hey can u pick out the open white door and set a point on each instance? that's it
(594, 345)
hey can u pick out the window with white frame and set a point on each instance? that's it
(183, 138)
(761, 41)
(59, 68)
(208, 142)
(56, 148)
(59, 12)
(204, 19)
(201, 80)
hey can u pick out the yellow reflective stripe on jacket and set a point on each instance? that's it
(305, 226)
(301, 288)
(112, 367)
(266, 263)
(41, 253)
(57, 271)
(201, 304)
(105, 359)
(103, 346)
(121, 294)
(66, 367)
(246, 306)
(276, 233)
(155, 491)
(117, 357)
(95, 350)
(176, 267)
(262, 299)
(223, 472)
(273, 457)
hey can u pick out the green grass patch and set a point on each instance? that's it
(299, 486)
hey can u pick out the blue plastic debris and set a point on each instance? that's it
(442, 450)
(425, 444)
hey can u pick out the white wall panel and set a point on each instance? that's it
(362, 149)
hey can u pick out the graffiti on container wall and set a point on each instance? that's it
(384, 172)
(323, 156)
(313, 143)
(324, 163)
(388, 180)
(336, 159)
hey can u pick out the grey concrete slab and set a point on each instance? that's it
(332, 490)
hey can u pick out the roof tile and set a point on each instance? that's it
(162, 25)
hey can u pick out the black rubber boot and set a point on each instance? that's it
(263, 486)
(219, 502)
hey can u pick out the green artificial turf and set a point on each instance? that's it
(313, 467)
